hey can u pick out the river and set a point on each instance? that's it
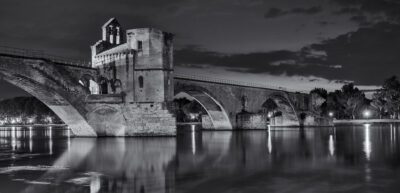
(364, 158)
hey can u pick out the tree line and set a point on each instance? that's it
(350, 103)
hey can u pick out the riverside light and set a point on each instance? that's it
(49, 119)
(367, 113)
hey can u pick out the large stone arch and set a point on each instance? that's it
(215, 110)
(289, 116)
(54, 85)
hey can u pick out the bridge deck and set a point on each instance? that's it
(58, 60)
(41, 55)
(233, 83)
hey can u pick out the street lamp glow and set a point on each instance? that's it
(49, 119)
(367, 113)
(331, 114)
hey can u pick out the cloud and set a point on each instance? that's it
(383, 10)
(274, 13)
(348, 10)
(304, 62)
(325, 23)
(277, 12)
(367, 51)
(352, 56)
(307, 11)
(360, 19)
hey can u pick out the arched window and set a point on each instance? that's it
(111, 34)
(140, 81)
(104, 86)
(116, 86)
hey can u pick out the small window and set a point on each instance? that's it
(140, 81)
(139, 45)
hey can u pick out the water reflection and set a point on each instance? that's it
(367, 141)
(351, 158)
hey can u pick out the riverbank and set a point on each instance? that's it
(35, 125)
(363, 121)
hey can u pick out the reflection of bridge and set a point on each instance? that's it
(201, 158)
(128, 87)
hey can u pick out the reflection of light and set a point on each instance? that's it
(269, 140)
(69, 138)
(193, 139)
(30, 139)
(367, 142)
(95, 184)
(50, 141)
(13, 140)
(331, 145)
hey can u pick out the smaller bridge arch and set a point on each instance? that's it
(217, 113)
(282, 109)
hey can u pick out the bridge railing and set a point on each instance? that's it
(233, 82)
(40, 54)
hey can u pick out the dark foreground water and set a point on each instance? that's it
(342, 159)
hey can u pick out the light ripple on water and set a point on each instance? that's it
(12, 169)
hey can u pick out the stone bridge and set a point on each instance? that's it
(129, 86)
(232, 104)
(63, 88)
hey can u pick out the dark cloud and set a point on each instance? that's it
(348, 10)
(277, 12)
(276, 62)
(389, 8)
(353, 56)
(325, 23)
(365, 52)
(308, 11)
(274, 13)
(361, 20)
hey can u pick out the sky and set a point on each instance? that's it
(298, 44)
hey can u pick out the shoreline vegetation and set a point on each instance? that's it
(363, 121)
(350, 105)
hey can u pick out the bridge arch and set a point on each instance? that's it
(54, 86)
(216, 112)
(279, 106)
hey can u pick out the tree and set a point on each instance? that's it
(320, 91)
(389, 96)
(351, 99)
(379, 103)
(319, 101)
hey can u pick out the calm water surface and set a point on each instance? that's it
(363, 158)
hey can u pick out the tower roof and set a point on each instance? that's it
(112, 20)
